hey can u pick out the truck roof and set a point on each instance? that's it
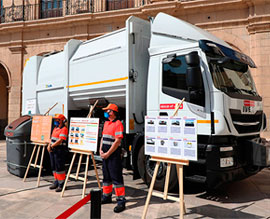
(168, 27)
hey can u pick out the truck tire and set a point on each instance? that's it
(146, 170)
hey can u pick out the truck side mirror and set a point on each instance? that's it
(194, 79)
(192, 59)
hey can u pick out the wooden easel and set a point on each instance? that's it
(179, 168)
(37, 146)
(165, 196)
(81, 152)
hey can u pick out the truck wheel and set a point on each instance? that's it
(146, 170)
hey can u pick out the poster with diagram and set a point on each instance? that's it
(171, 137)
(41, 129)
(83, 134)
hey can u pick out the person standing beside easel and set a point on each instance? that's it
(110, 152)
(57, 150)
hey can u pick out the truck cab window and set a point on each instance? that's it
(174, 82)
(174, 78)
(232, 78)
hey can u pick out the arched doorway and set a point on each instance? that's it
(4, 85)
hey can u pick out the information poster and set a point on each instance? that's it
(83, 134)
(30, 107)
(41, 129)
(171, 137)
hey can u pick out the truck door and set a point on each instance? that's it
(176, 73)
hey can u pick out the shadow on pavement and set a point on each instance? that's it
(213, 211)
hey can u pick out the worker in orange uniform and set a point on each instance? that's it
(110, 152)
(57, 150)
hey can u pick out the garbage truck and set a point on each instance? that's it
(146, 68)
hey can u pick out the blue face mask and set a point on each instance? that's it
(106, 115)
(56, 123)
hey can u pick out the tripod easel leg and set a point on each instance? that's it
(29, 164)
(166, 186)
(85, 175)
(69, 171)
(94, 163)
(181, 190)
(150, 190)
(40, 165)
(35, 164)
(78, 167)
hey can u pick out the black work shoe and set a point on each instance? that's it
(59, 189)
(53, 186)
(119, 208)
(106, 199)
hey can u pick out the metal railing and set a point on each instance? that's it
(59, 8)
(51, 8)
(93, 6)
(17, 13)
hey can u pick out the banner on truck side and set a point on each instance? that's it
(171, 137)
(41, 129)
(83, 134)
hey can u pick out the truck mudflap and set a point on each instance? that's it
(260, 155)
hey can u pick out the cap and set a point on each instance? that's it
(111, 106)
(60, 116)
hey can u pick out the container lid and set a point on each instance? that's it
(10, 129)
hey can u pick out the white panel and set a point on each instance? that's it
(101, 44)
(47, 98)
(51, 69)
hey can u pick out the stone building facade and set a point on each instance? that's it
(32, 27)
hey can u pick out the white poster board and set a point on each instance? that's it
(171, 137)
(30, 106)
(83, 134)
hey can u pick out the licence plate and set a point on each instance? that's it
(226, 162)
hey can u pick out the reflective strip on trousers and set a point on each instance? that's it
(61, 176)
(120, 192)
(107, 190)
(54, 174)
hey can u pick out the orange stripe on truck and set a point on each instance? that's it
(206, 121)
(98, 82)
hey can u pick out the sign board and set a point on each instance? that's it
(171, 137)
(83, 134)
(30, 106)
(41, 129)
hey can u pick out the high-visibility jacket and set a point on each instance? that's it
(111, 131)
(60, 133)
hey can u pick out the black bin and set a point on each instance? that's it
(19, 147)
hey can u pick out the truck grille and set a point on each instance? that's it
(244, 123)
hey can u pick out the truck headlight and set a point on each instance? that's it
(226, 162)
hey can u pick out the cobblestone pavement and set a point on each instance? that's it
(248, 198)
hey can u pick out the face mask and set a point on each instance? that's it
(106, 115)
(56, 123)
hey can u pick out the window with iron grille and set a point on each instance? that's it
(51, 8)
(119, 4)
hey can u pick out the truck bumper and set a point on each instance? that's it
(249, 157)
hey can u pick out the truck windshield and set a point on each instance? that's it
(232, 77)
